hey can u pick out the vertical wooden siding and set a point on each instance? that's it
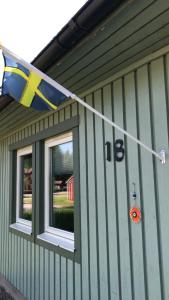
(120, 260)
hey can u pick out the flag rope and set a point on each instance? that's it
(161, 155)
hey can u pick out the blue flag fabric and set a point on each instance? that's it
(27, 87)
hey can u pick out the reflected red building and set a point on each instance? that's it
(70, 188)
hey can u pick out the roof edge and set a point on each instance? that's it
(90, 14)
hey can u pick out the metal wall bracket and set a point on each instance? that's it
(162, 155)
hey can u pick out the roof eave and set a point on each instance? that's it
(83, 22)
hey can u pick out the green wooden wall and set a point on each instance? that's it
(120, 260)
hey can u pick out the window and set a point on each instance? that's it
(23, 195)
(24, 186)
(59, 190)
(44, 191)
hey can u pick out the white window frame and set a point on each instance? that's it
(21, 224)
(56, 236)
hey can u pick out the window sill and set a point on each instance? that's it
(58, 241)
(17, 227)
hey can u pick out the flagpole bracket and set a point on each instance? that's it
(163, 156)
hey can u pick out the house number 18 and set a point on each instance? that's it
(118, 150)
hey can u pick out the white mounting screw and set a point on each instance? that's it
(162, 155)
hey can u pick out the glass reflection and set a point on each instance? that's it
(62, 187)
(26, 188)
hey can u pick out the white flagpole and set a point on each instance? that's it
(161, 155)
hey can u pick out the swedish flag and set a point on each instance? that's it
(27, 87)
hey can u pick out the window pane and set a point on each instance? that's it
(62, 187)
(25, 211)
